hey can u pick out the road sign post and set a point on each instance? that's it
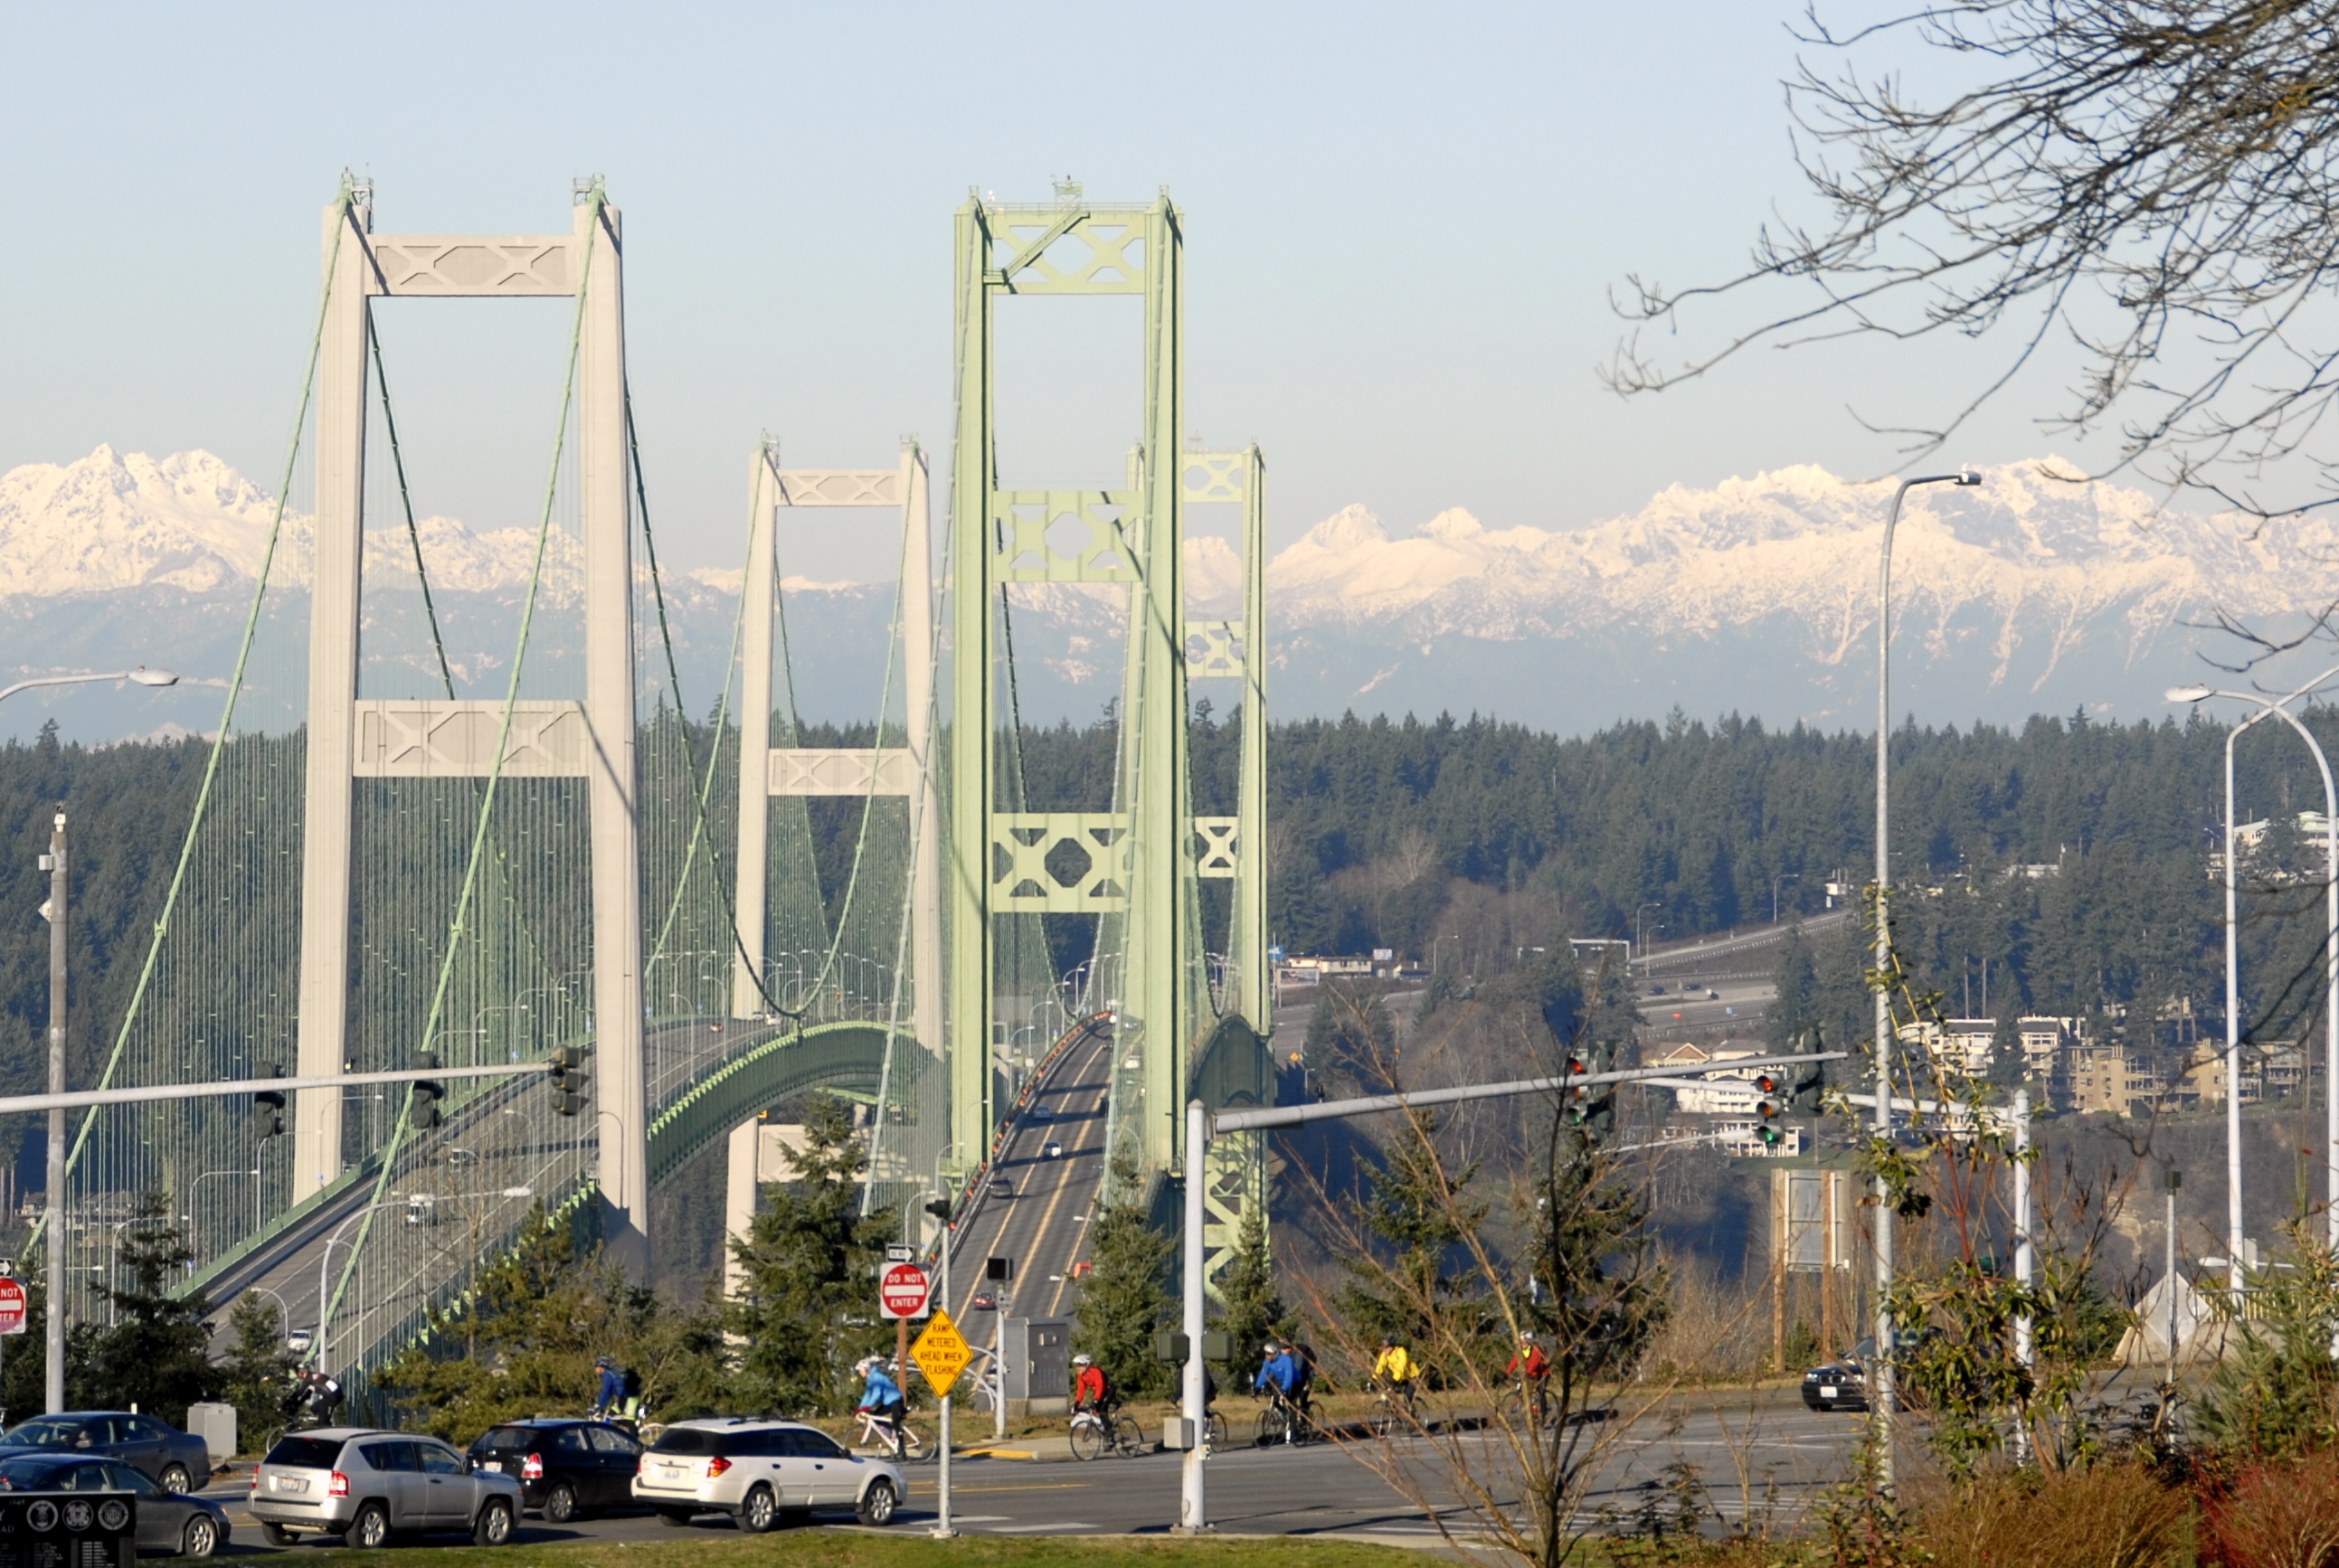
(901, 1294)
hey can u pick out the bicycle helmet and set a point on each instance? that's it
(1083, 1361)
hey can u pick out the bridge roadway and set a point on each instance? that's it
(483, 1179)
(1035, 1206)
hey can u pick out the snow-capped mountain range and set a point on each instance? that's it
(2024, 593)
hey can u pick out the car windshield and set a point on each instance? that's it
(687, 1440)
(305, 1453)
(51, 1434)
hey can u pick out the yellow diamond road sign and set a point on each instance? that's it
(941, 1353)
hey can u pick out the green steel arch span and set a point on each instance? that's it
(848, 1057)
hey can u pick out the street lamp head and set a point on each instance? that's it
(1969, 476)
(146, 677)
(2192, 693)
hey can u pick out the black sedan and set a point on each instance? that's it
(170, 1523)
(1841, 1383)
(565, 1467)
(179, 1461)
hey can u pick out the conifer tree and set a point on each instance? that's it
(810, 1261)
(1255, 1310)
(1125, 1296)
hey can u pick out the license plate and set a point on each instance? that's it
(287, 1483)
(495, 1464)
(1827, 1391)
(671, 1472)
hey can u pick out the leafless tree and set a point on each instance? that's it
(2151, 181)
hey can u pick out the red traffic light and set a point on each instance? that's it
(1766, 1084)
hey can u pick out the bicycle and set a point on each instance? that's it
(1394, 1408)
(1096, 1434)
(902, 1442)
(1519, 1398)
(1283, 1422)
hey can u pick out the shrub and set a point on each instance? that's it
(2276, 1516)
(2106, 1517)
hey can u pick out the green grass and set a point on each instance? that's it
(910, 1548)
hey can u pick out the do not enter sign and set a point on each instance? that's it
(11, 1306)
(901, 1291)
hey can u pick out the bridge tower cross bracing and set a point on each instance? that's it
(348, 739)
(1145, 857)
(768, 771)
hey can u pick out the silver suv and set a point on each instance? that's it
(756, 1470)
(366, 1485)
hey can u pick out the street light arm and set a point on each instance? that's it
(142, 675)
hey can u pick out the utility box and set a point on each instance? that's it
(215, 1424)
(1037, 1377)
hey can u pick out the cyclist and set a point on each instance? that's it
(1303, 1380)
(314, 1394)
(612, 1390)
(1091, 1390)
(881, 1397)
(1530, 1366)
(1278, 1379)
(1395, 1369)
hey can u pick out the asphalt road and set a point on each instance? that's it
(1738, 1004)
(1035, 1209)
(1743, 1457)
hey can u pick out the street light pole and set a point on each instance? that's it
(1641, 930)
(54, 1328)
(2276, 708)
(1882, 1404)
(1775, 882)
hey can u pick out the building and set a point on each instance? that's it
(1728, 1092)
(1965, 1046)
(1740, 1139)
(2106, 1078)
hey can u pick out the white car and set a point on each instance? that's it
(756, 1470)
(1054, 1150)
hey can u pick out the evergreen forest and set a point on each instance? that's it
(2073, 858)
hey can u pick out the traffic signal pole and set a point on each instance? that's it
(1202, 1124)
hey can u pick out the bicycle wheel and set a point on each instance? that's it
(1088, 1439)
(1271, 1427)
(918, 1447)
(1215, 1430)
(1128, 1436)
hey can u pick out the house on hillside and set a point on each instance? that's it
(2107, 1079)
(1729, 1092)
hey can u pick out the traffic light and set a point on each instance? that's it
(1804, 1100)
(423, 1110)
(1589, 1106)
(270, 1104)
(1767, 1104)
(569, 1084)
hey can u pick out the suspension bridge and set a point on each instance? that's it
(413, 850)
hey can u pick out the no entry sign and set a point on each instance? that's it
(901, 1292)
(11, 1306)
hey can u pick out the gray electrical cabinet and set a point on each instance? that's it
(1038, 1374)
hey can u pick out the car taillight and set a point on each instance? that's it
(339, 1486)
(715, 1467)
(532, 1467)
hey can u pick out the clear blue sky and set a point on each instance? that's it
(1402, 226)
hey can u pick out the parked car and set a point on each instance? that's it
(365, 1486)
(178, 1460)
(170, 1523)
(565, 1466)
(755, 1470)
